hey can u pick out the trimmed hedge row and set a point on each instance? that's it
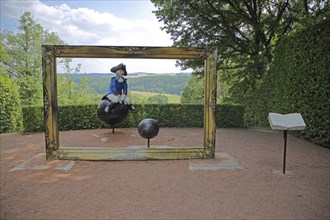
(10, 105)
(298, 81)
(170, 115)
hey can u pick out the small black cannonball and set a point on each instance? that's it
(148, 128)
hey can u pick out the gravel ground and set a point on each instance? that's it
(33, 188)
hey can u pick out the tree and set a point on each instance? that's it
(193, 93)
(70, 92)
(243, 31)
(158, 99)
(10, 104)
(24, 57)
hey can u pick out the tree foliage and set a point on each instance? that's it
(24, 57)
(243, 31)
(10, 104)
(158, 99)
(298, 80)
(159, 83)
(194, 92)
(72, 93)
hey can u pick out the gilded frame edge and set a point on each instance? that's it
(53, 149)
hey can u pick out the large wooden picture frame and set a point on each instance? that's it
(53, 149)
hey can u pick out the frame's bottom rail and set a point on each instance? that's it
(79, 153)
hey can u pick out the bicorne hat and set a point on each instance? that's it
(119, 67)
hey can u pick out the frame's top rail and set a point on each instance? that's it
(82, 51)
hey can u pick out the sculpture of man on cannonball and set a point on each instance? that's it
(117, 91)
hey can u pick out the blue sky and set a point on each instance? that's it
(128, 8)
(107, 22)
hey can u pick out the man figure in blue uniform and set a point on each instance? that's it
(117, 91)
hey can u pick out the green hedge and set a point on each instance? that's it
(298, 81)
(77, 117)
(10, 105)
(170, 115)
(230, 116)
(33, 119)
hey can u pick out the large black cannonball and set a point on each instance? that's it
(148, 128)
(117, 115)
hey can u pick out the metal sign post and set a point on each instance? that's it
(293, 121)
(284, 159)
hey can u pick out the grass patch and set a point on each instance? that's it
(171, 97)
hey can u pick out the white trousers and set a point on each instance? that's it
(119, 99)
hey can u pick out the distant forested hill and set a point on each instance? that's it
(145, 82)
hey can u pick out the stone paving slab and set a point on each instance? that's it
(222, 161)
(39, 162)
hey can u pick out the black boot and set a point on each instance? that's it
(131, 107)
(109, 107)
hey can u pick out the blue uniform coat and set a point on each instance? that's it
(116, 88)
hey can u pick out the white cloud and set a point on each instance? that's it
(132, 65)
(86, 26)
(89, 27)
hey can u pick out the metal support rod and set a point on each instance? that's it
(148, 142)
(113, 129)
(284, 159)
